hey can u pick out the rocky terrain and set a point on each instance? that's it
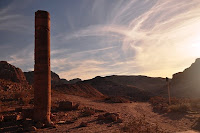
(110, 88)
(102, 104)
(187, 83)
(11, 73)
(13, 84)
(55, 79)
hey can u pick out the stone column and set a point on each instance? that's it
(42, 72)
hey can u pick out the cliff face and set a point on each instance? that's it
(13, 82)
(11, 73)
(187, 83)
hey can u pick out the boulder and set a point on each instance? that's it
(83, 124)
(101, 117)
(1, 118)
(114, 117)
(27, 113)
(11, 117)
(31, 128)
(39, 125)
(65, 105)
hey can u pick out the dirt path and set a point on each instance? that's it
(127, 111)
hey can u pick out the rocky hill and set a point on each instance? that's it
(79, 89)
(187, 83)
(110, 88)
(183, 84)
(12, 83)
(150, 84)
(69, 87)
(55, 79)
(11, 73)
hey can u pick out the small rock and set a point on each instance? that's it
(101, 117)
(27, 113)
(11, 117)
(19, 117)
(87, 112)
(31, 128)
(76, 107)
(69, 122)
(119, 120)
(39, 125)
(27, 123)
(61, 122)
(65, 105)
(1, 118)
(18, 109)
(19, 130)
(50, 125)
(106, 114)
(53, 117)
(113, 117)
(83, 124)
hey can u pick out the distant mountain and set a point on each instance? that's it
(55, 79)
(183, 84)
(107, 86)
(150, 84)
(13, 82)
(73, 87)
(187, 83)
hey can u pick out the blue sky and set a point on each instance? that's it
(105, 37)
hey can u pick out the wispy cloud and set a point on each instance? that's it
(24, 58)
(158, 36)
(150, 37)
(15, 22)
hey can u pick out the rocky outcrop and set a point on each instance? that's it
(29, 77)
(11, 73)
(187, 83)
(55, 79)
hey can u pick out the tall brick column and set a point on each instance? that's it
(42, 73)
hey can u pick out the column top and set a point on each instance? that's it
(42, 14)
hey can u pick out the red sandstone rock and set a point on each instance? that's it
(11, 117)
(101, 117)
(65, 105)
(83, 124)
(11, 73)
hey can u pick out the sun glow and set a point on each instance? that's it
(191, 44)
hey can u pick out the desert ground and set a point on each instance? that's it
(134, 117)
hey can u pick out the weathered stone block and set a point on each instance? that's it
(65, 105)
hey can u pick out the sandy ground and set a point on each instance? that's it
(173, 122)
